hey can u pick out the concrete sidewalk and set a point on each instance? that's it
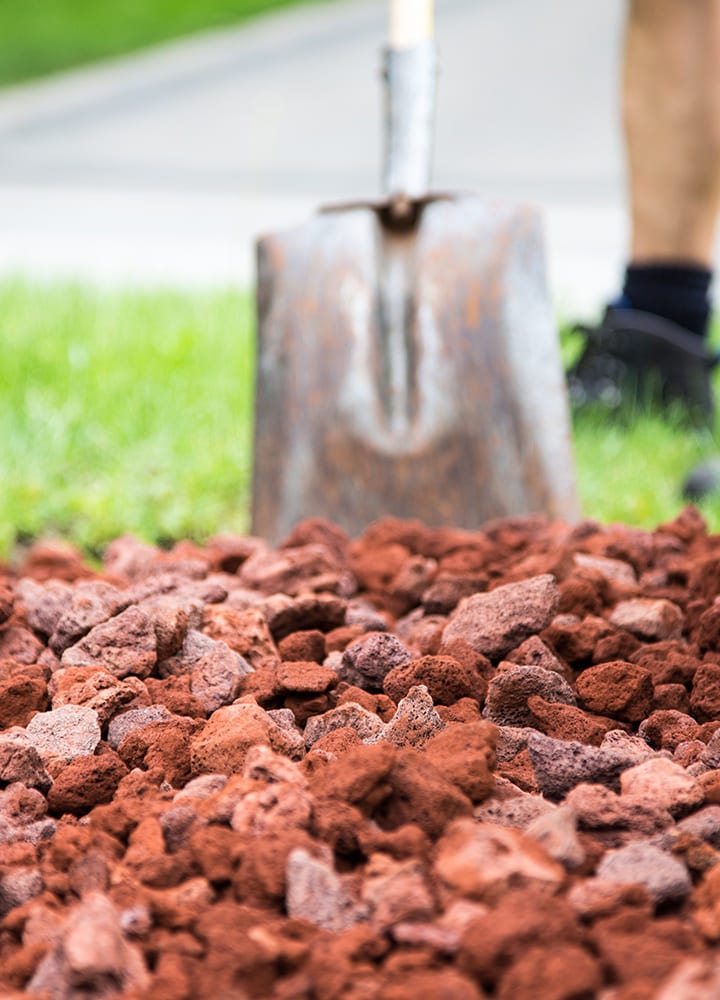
(162, 167)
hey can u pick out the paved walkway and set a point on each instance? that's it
(162, 167)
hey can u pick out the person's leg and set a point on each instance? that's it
(649, 339)
(671, 105)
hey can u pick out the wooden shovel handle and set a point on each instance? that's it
(411, 23)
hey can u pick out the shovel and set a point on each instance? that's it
(408, 362)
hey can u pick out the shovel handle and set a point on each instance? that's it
(410, 73)
(411, 23)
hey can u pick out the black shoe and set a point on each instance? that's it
(703, 480)
(636, 360)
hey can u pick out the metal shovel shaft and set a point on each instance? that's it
(410, 87)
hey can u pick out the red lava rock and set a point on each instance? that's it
(306, 612)
(621, 690)
(175, 694)
(447, 590)
(636, 950)
(126, 644)
(576, 640)
(340, 638)
(465, 755)
(422, 633)
(229, 734)
(305, 676)
(315, 892)
(366, 724)
(421, 794)
(465, 710)
(93, 602)
(648, 619)
(600, 809)
(495, 622)
(705, 695)
(567, 722)
(44, 604)
(567, 971)
(20, 761)
(663, 783)
(582, 593)
(303, 646)
(54, 559)
(20, 699)
(479, 859)
(619, 645)
(165, 746)
(707, 631)
(360, 613)
(318, 531)
(378, 703)
(246, 632)
(86, 782)
(91, 953)
(462, 651)
(134, 719)
(227, 552)
(559, 765)
(534, 653)
(64, 733)
(215, 670)
(405, 590)
(339, 741)
(429, 984)
(509, 691)
(269, 773)
(415, 721)
(19, 644)
(524, 918)
(376, 566)
(669, 662)
(665, 729)
(98, 690)
(7, 600)
(290, 570)
(304, 707)
(366, 663)
(446, 679)
(671, 697)
(171, 617)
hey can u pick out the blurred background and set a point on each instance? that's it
(161, 166)
(145, 144)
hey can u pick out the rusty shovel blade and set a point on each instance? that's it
(411, 371)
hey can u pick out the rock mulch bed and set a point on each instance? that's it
(427, 764)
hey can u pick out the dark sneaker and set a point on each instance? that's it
(703, 480)
(636, 359)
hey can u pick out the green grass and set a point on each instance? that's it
(43, 36)
(132, 413)
(123, 413)
(634, 473)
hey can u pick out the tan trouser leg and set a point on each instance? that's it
(672, 128)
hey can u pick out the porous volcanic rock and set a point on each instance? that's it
(427, 762)
(495, 622)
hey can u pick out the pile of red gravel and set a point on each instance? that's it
(427, 764)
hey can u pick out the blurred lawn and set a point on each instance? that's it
(132, 412)
(42, 36)
(123, 412)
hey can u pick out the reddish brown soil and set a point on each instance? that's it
(426, 764)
